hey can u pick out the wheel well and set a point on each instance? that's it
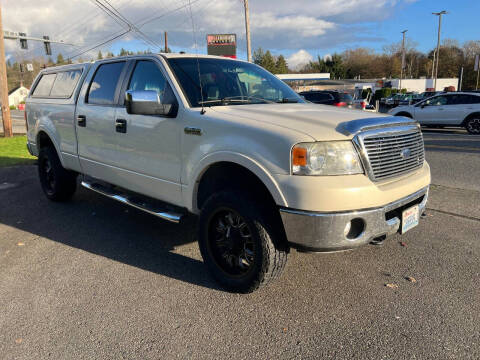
(403, 113)
(470, 116)
(43, 140)
(227, 175)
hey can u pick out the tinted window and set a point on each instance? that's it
(473, 99)
(64, 83)
(345, 98)
(317, 96)
(44, 85)
(102, 88)
(147, 76)
(436, 101)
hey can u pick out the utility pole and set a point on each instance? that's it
(439, 14)
(403, 59)
(7, 121)
(166, 42)
(247, 30)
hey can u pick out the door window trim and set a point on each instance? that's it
(117, 87)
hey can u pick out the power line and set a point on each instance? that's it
(119, 18)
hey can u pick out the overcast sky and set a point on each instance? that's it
(299, 29)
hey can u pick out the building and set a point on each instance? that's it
(17, 95)
(303, 82)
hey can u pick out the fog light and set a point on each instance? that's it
(354, 228)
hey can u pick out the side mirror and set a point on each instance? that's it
(145, 102)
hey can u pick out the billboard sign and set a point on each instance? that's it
(222, 45)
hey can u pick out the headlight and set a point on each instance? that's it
(325, 158)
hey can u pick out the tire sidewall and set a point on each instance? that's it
(47, 155)
(244, 206)
(476, 118)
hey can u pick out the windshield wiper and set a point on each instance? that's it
(287, 100)
(234, 99)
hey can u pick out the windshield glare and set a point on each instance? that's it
(229, 82)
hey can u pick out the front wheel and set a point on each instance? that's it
(473, 125)
(236, 238)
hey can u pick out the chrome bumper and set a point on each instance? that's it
(316, 231)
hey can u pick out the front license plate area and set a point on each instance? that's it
(410, 218)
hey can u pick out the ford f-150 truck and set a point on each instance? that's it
(264, 171)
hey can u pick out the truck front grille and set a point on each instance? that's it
(392, 153)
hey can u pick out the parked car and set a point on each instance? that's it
(227, 141)
(446, 109)
(328, 97)
(408, 99)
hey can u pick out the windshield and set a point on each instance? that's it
(229, 82)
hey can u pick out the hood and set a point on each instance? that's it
(318, 121)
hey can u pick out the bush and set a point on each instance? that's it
(383, 93)
(13, 107)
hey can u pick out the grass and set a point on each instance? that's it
(13, 151)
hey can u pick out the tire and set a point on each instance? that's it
(236, 237)
(57, 183)
(473, 125)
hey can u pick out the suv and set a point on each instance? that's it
(446, 109)
(229, 142)
(328, 97)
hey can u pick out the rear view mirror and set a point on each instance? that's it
(145, 102)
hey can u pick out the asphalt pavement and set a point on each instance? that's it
(93, 279)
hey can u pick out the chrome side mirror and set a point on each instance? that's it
(145, 102)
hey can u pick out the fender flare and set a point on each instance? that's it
(190, 191)
(52, 139)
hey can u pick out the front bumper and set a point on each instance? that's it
(316, 231)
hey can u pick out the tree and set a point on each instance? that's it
(258, 56)
(60, 59)
(268, 62)
(281, 66)
(100, 55)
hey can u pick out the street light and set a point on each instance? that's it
(439, 14)
(403, 59)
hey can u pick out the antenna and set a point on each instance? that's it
(196, 52)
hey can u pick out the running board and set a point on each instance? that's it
(135, 201)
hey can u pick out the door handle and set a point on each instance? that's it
(121, 126)
(81, 120)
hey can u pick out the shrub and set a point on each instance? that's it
(13, 107)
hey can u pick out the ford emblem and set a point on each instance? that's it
(405, 153)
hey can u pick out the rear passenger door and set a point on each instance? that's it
(95, 120)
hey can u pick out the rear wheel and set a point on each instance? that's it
(473, 125)
(236, 239)
(58, 184)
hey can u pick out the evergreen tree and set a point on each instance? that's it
(60, 59)
(281, 66)
(258, 56)
(100, 55)
(268, 62)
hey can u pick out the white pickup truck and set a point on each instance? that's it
(224, 139)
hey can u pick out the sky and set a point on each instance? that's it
(301, 30)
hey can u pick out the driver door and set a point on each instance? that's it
(149, 145)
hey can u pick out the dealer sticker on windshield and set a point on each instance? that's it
(410, 218)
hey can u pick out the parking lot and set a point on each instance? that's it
(93, 279)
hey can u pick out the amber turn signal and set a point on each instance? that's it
(299, 156)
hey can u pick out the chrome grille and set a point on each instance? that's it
(389, 153)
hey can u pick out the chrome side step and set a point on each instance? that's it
(135, 202)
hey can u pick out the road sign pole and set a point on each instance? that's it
(7, 121)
